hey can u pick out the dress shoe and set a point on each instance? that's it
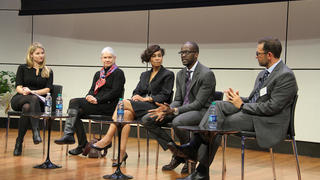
(76, 151)
(99, 148)
(184, 151)
(36, 137)
(17, 148)
(185, 168)
(66, 139)
(124, 159)
(175, 162)
(196, 176)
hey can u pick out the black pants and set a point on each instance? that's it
(26, 104)
(85, 108)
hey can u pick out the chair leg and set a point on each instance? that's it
(147, 147)
(89, 129)
(100, 133)
(7, 133)
(157, 156)
(242, 157)
(295, 150)
(138, 138)
(224, 166)
(273, 165)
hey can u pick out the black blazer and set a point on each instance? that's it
(160, 88)
(112, 90)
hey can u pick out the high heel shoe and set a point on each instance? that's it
(124, 159)
(99, 148)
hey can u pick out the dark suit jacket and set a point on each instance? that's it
(202, 89)
(271, 112)
(160, 87)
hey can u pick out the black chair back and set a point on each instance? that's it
(291, 131)
(57, 89)
(218, 96)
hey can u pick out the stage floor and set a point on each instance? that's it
(257, 164)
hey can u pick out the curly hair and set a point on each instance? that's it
(146, 55)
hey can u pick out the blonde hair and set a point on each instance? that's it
(29, 60)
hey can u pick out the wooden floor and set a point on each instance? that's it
(257, 165)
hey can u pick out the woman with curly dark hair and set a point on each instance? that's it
(155, 85)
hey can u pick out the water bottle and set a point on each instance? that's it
(48, 104)
(120, 111)
(59, 105)
(212, 120)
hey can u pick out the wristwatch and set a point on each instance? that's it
(241, 107)
(176, 111)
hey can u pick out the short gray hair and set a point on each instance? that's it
(108, 50)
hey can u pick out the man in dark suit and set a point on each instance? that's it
(195, 87)
(266, 111)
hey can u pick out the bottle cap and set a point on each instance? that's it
(213, 103)
(59, 94)
(121, 99)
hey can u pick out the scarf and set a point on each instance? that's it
(102, 80)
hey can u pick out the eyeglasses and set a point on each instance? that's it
(186, 52)
(257, 53)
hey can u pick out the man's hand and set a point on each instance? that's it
(160, 112)
(233, 97)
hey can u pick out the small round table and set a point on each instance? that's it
(211, 133)
(47, 118)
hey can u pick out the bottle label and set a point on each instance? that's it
(120, 111)
(59, 106)
(212, 118)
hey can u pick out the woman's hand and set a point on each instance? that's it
(91, 99)
(26, 91)
(137, 98)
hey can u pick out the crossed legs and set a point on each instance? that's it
(107, 139)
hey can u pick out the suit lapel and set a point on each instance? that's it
(183, 82)
(195, 75)
(273, 74)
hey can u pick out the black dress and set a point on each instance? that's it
(27, 77)
(160, 89)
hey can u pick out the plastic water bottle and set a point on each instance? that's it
(212, 120)
(48, 104)
(59, 105)
(120, 112)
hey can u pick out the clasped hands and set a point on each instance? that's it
(233, 97)
(91, 99)
(163, 110)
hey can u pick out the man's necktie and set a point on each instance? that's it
(188, 84)
(257, 92)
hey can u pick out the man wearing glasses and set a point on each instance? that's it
(266, 111)
(195, 87)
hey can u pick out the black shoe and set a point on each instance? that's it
(124, 159)
(99, 148)
(196, 176)
(185, 168)
(66, 139)
(184, 151)
(17, 148)
(76, 151)
(36, 137)
(175, 162)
